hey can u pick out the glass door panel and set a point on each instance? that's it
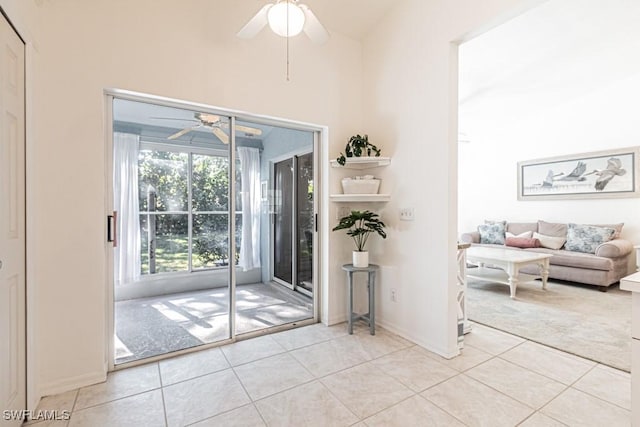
(173, 222)
(272, 223)
(305, 222)
(283, 222)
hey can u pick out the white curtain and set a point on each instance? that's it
(250, 182)
(125, 201)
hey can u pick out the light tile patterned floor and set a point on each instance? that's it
(319, 376)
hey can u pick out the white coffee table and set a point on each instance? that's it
(509, 261)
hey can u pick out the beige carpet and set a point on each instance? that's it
(574, 318)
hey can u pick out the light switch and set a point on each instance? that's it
(406, 214)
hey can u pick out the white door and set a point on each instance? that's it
(12, 224)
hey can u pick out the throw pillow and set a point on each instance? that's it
(586, 238)
(549, 242)
(526, 234)
(552, 229)
(522, 242)
(492, 233)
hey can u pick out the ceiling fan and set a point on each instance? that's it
(216, 124)
(287, 18)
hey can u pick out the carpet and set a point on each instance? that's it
(147, 327)
(574, 318)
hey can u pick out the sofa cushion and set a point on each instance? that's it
(551, 242)
(576, 259)
(492, 233)
(552, 229)
(586, 238)
(521, 227)
(522, 242)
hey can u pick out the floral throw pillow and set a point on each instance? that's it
(492, 233)
(586, 238)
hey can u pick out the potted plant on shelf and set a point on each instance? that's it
(358, 146)
(359, 224)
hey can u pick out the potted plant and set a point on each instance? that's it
(358, 146)
(359, 224)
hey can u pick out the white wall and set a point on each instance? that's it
(187, 51)
(601, 119)
(410, 111)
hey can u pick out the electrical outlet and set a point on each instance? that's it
(394, 295)
(406, 214)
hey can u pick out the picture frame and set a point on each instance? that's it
(594, 175)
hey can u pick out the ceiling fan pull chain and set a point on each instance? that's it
(288, 59)
(287, 41)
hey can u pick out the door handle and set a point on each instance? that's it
(112, 232)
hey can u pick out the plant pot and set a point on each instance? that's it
(361, 259)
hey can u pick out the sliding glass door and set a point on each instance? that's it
(294, 222)
(193, 259)
(283, 222)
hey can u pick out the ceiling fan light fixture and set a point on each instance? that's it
(282, 12)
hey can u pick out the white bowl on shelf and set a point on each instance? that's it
(360, 185)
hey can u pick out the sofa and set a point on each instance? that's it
(589, 254)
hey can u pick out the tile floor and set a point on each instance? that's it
(320, 376)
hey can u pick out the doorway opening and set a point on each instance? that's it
(200, 225)
(530, 89)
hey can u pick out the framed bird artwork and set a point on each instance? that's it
(601, 174)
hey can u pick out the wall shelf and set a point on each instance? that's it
(360, 197)
(362, 162)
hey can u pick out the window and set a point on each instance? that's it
(184, 202)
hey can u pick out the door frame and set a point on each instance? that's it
(320, 139)
(32, 395)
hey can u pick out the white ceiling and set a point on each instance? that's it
(556, 52)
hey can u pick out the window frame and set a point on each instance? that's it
(190, 150)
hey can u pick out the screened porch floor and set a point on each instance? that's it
(162, 324)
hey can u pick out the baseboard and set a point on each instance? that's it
(334, 320)
(72, 383)
(391, 327)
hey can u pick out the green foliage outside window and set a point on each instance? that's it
(166, 174)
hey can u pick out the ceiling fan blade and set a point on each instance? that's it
(221, 135)
(182, 132)
(255, 24)
(312, 26)
(247, 129)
